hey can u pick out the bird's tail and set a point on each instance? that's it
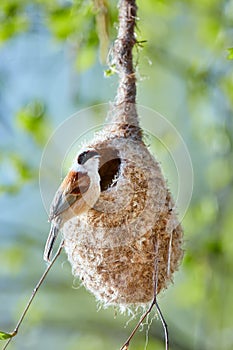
(50, 241)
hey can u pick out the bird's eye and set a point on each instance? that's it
(84, 156)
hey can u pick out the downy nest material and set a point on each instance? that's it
(131, 240)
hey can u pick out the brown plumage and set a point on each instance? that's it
(77, 193)
(70, 191)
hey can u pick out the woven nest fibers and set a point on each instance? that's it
(132, 236)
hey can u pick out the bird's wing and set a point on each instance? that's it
(50, 242)
(72, 188)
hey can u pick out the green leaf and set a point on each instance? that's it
(33, 119)
(86, 58)
(110, 71)
(62, 21)
(4, 335)
(230, 53)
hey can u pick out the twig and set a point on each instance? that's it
(125, 346)
(154, 302)
(165, 328)
(122, 59)
(14, 333)
(122, 51)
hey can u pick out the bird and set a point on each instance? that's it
(78, 192)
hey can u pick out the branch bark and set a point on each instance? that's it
(124, 109)
(123, 52)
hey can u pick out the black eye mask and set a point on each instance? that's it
(84, 156)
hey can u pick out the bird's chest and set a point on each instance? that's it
(87, 200)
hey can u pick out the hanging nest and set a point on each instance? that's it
(125, 249)
(131, 240)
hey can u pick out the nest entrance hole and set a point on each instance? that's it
(109, 170)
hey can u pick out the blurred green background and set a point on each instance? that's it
(49, 68)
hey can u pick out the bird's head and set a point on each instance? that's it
(87, 160)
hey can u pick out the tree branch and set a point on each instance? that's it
(124, 111)
(123, 52)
